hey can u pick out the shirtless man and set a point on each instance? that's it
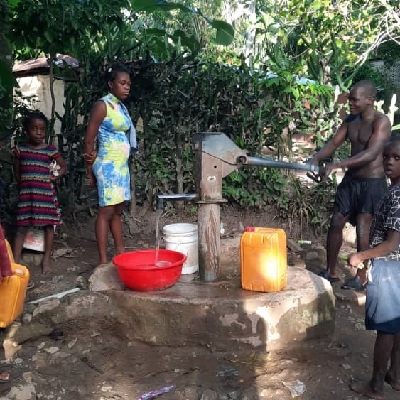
(364, 183)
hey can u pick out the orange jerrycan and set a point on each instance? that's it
(13, 292)
(263, 256)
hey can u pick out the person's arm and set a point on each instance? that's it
(331, 146)
(390, 244)
(381, 134)
(97, 116)
(63, 166)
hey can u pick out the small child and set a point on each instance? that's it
(37, 199)
(382, 308)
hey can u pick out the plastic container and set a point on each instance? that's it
(184, 238)
(13, 292)
(263, 255)
(147, 270)
(34, 240)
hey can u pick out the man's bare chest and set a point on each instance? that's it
(359, 134)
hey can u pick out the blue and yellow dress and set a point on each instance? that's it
(111, 165)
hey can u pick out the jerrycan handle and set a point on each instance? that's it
(258, 229)
(17, 270)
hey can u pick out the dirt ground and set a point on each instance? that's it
(95, 362)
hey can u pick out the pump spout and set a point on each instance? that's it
(265, 162)
(175, 197)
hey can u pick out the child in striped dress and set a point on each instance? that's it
(37, 200)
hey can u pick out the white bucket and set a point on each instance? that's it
(34, 240)
(183, 238)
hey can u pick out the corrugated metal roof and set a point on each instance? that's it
(40, 64)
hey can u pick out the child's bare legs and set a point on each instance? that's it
(382, 352)
(364, 221)
(19, 242)
(334, 241)
(116, 228)
(48, 247)
(393, 375)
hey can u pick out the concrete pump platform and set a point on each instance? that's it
(221, 315)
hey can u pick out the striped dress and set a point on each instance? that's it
(37, 199)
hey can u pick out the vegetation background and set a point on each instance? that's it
(262, 71)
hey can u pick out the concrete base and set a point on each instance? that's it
(222, 316)
(219, 315)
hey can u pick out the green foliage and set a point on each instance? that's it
(7, 79)
(326, 40)
(183, 84)
(251, 187)
(224, 31)
(367, 71)
(388, 52)
(4, 15)
(13, 3)
(81, 27)
(8, 186)
(306, 206)
(72, 25)
(185, 96)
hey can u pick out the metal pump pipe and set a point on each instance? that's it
(175, 197)
(216, 157)
(266, 162)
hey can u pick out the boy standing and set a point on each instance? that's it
(382, 308)
(364, 184)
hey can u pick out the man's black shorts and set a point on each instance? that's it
(356, 196)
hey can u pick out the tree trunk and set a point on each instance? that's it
(179, 148)
(251, 33)
(5, 70)
(53, 99)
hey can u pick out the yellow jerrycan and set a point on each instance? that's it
(263, 259)
(13, 292)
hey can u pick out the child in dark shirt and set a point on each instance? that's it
(382, 308)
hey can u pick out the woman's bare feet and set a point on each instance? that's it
(103, 261)
(366, 390)
(119, 250)
(102, 264)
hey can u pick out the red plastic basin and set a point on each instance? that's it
(138, 270)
